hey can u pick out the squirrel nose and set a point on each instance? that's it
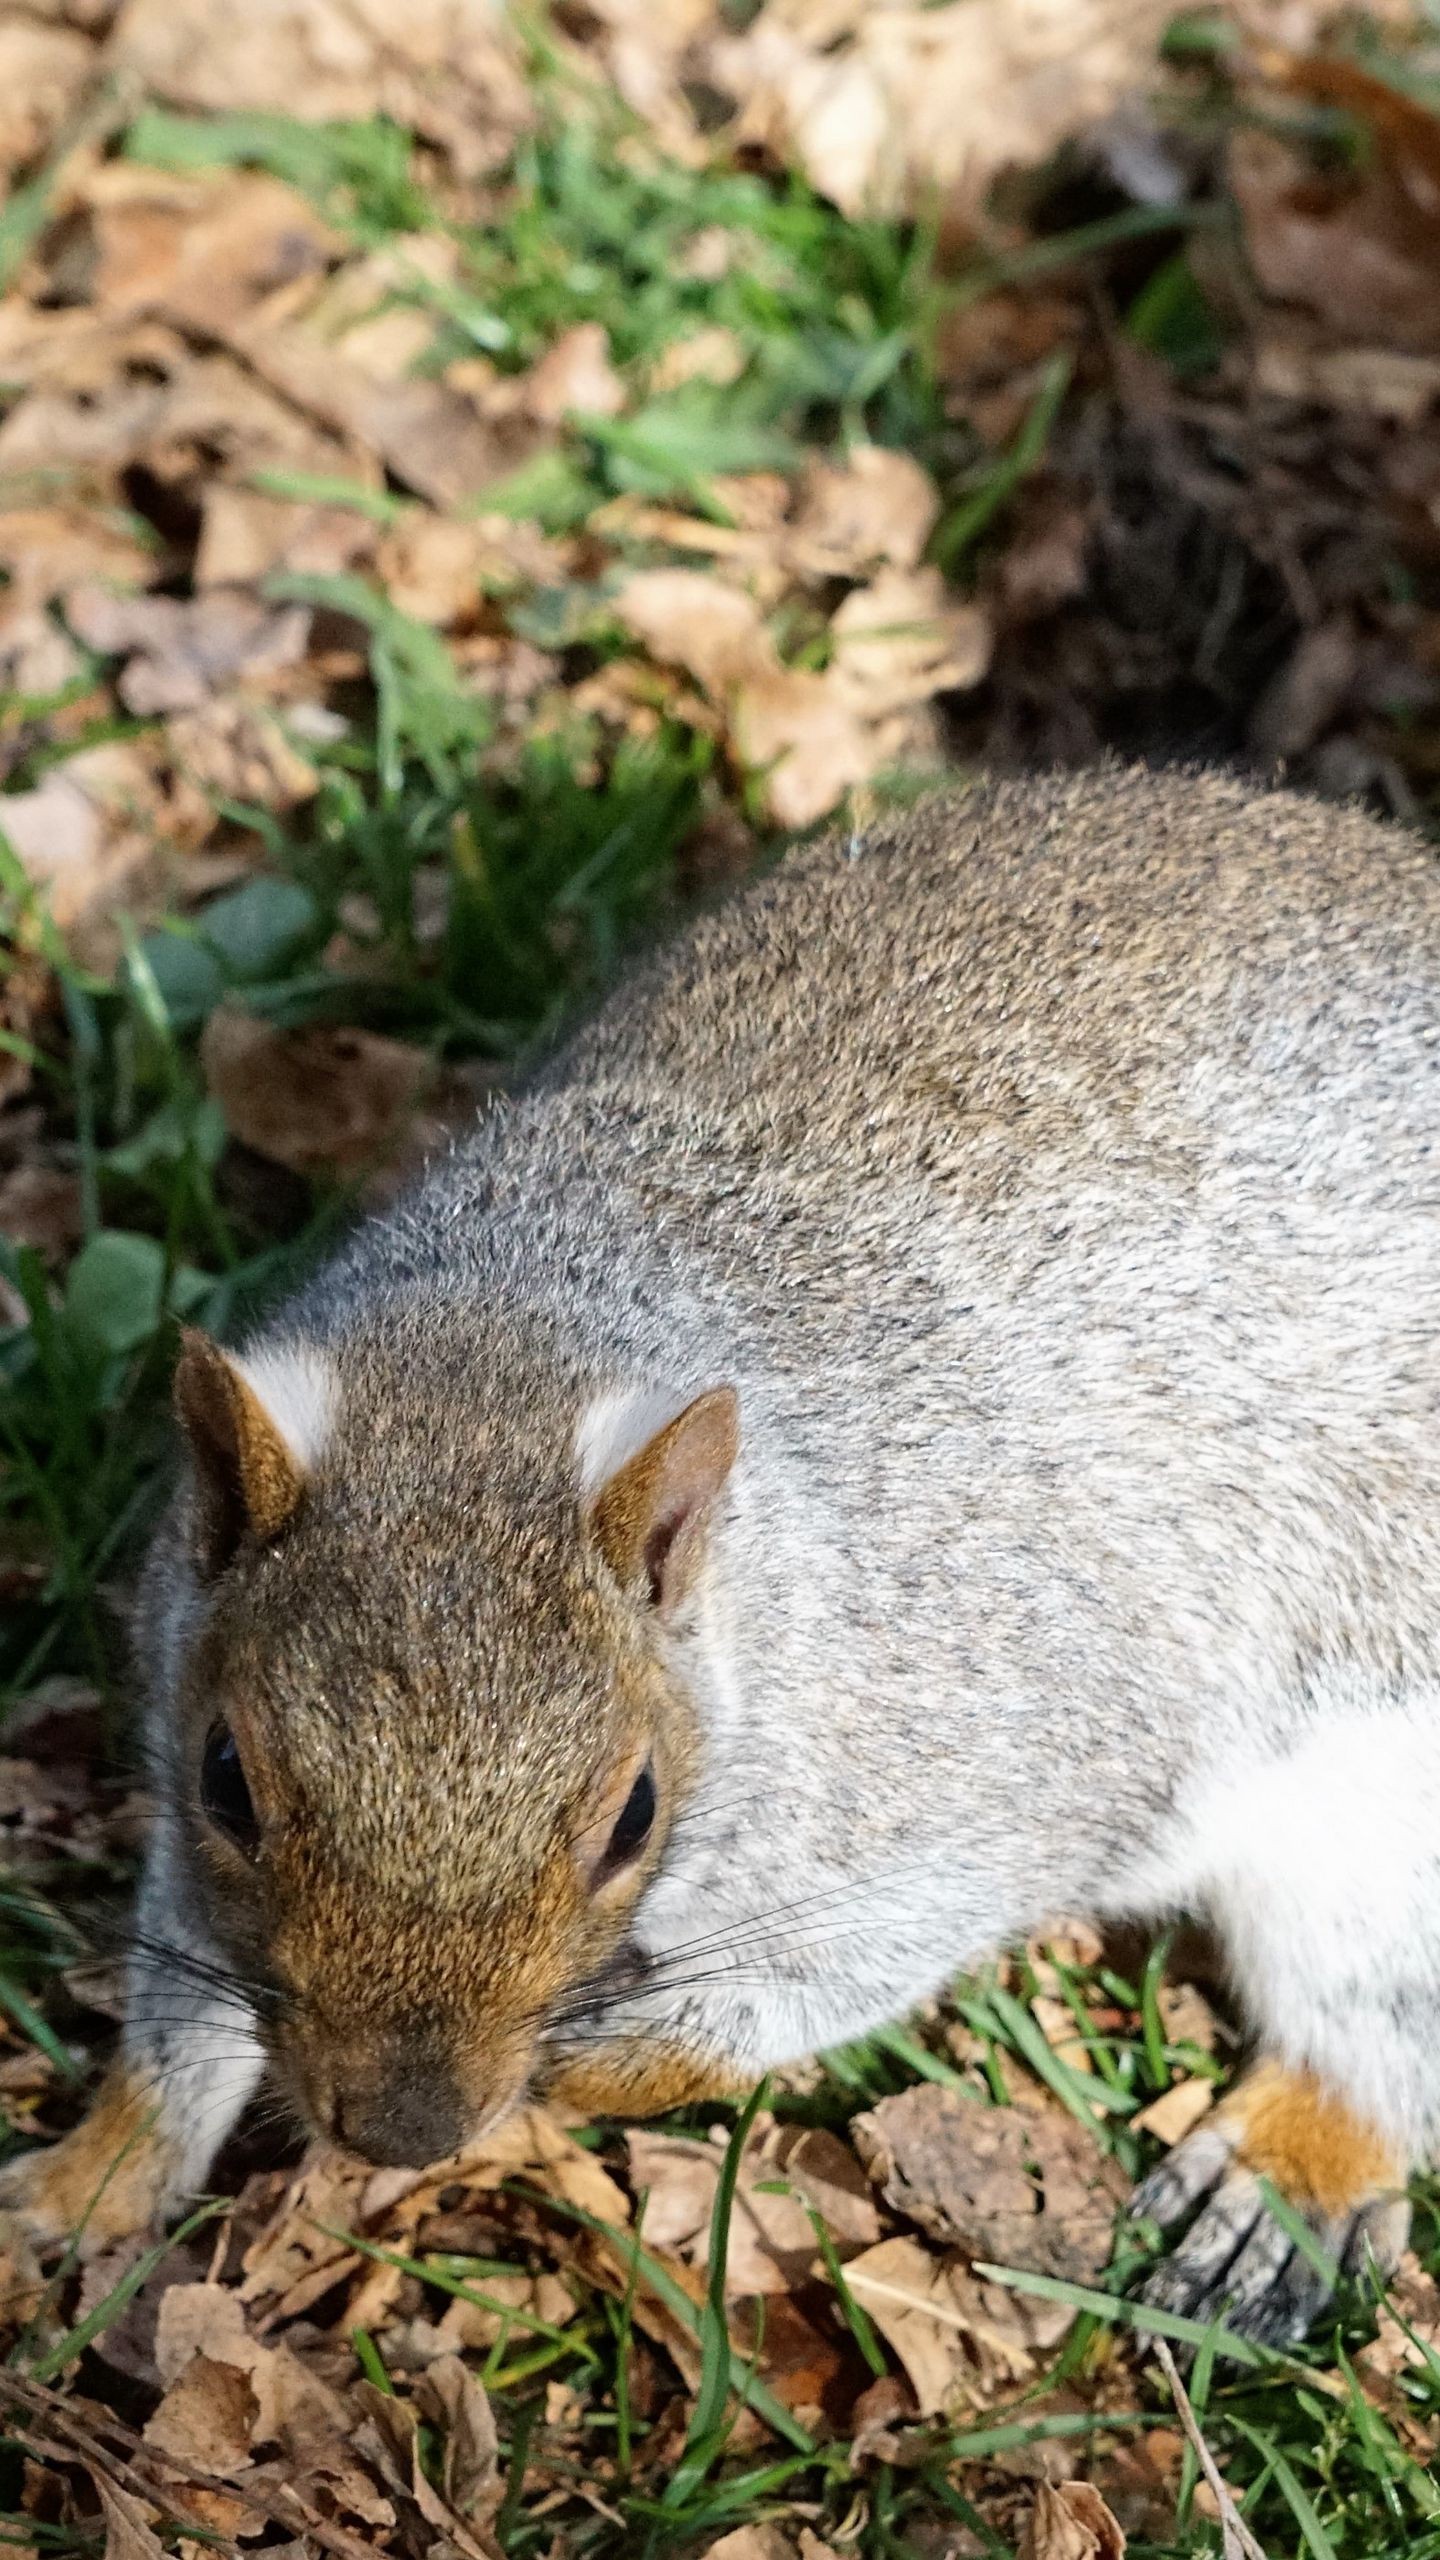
(403, 2121)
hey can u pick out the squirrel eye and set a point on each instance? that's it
(224, 1792)
(637, 1817)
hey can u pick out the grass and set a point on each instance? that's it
(543, 863)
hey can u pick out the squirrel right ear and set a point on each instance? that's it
(253, 1426)
(649, 1516)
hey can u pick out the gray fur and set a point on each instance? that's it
(1053, 1174)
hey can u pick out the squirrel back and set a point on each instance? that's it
(942, 1359)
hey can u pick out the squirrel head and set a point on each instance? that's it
(433, 1728)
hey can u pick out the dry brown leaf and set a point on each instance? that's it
(470, 2458)
(85, 828)
(180, 650)
(878, 506)
(429, 434)
(245, 536)
(207, 2418)
(442, 67)
(1175, 2114)
(883, 107)
(128, 2531)
(574, 377)
(200, 249)
(772, 2238)
(1021, 2186)
(907, 2294)
(902, 639)
(438, 567)
(1359, 253)
(41, 1206)
(43, 71)
(326, 1099)
(687, 619)
(1071, 2523)
(752, 2542)
(237, 750)
(807, 740)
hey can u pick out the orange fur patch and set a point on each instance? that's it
(1309, 2143)
(642, 2080)
(111, 2172)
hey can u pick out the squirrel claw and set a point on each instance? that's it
(1241, 2264)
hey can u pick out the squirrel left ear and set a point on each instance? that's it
(649, 1518)
(251, 1441)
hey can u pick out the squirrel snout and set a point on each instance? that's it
(402, 2118)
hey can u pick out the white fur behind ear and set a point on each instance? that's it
(296, 1385)
(613, 1426)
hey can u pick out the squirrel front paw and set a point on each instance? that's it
(1237, 2260)
(112, 2175)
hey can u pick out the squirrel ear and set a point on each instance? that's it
(251, 1465)
(649, 1518)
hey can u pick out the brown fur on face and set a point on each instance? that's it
(431, 1728)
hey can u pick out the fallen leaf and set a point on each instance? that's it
(878, 506)
(752, 2542)
(438, 567)
(129, 2534)
(180, 650)
(470, 2457)
(1071, 2522)
(207, 2418)
(326, 1099)
(441, 67)
(574, 377)
(85, 828)
(903, 639)
(885, 107)
(806, 740)
(906, 2292)
(41, 1206)
(1024, 2187)
(1358, 251)
(237, 750)
(772, 2246)
(688, 619)
(712, 354)
(202, 248)
(1177, 2112)
(43, 71)
(246, 536)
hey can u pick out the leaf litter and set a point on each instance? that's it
(442, 524)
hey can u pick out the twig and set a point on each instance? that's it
(143, 2468)
(1237, 2542)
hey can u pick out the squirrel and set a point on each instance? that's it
(921, 1416)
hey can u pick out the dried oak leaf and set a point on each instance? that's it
(128, 2531)
(1176, 2113)
(903, 639)
(442, 68)
(1071, 2523)
(885, 107)
(199, 248)
(752, 2542)
(207, 2418)
(86, 827)
(877, 506)
(237, 750)
(43, 71)
(1358, 251)
(773, 2247)
(1024, 2187)
(181, 650)
(450, 2395)
(326, 1099)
